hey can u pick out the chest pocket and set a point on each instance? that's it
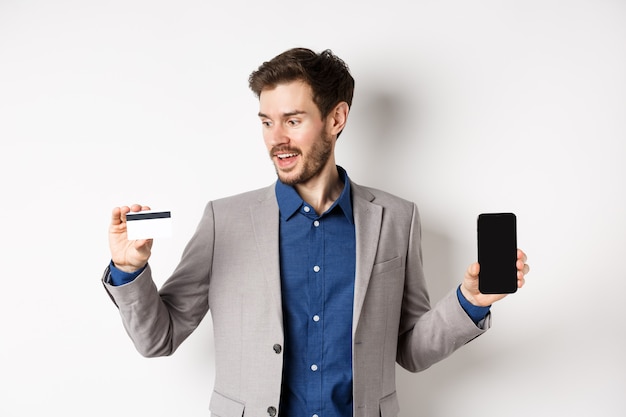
(386, 266)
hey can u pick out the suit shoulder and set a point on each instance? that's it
(383, 198)
(259, 194)
(393, 207)
(246, 198)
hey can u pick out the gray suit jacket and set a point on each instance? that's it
(231, 265)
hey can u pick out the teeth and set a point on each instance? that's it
(286, 155)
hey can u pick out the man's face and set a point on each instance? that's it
(294, 132)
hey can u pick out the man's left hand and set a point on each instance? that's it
(469, 287)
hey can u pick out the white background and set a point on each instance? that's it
(462, 106)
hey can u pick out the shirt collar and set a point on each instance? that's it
(289, 201)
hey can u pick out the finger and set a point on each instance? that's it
(473, 270)
(521, 266)
(124, 210)
(118, 215)
(521, 255)
(138, 207)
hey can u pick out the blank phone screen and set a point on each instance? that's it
(497, 253)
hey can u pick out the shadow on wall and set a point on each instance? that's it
(381, 129)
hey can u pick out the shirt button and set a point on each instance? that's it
(316, 318)
(271, 411)
(314, 367)
(316, 223)
(314, 415)
(306, 209)
(316, 268)
(277, 348)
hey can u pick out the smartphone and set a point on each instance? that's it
(497, 253)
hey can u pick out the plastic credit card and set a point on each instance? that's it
(148, 224)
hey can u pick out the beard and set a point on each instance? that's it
(310, 165)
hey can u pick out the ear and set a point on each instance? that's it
(338, 118)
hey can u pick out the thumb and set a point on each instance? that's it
(473, 270)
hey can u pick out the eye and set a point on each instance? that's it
(266, 123)
(293, 122)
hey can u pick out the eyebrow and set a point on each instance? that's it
(284, 115)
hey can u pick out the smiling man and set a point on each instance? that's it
(301, 142)
(315, 283)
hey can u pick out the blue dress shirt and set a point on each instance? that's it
(317, 262)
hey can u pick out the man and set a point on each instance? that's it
(315, 283)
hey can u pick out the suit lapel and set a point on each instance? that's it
(367, 223)
(265, 222)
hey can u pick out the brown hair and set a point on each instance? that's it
(326, 74)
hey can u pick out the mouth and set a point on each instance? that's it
(285, 156)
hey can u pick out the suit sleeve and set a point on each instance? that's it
(158, 321)
(428, 335)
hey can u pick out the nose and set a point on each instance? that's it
(276, 136)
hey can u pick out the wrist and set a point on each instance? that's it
(475, 312)
(128, 269)
(468, 295)
(118, 276)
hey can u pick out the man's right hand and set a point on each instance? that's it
(127, 255)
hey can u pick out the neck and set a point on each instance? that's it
(322, 191)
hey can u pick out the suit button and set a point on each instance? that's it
(271, 411)
(277, 348)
